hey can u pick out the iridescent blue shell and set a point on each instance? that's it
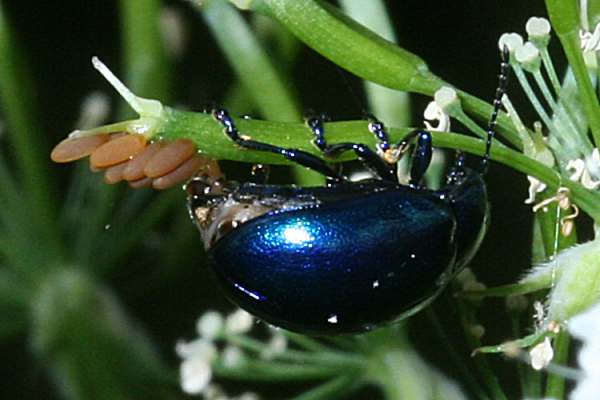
(343, 258)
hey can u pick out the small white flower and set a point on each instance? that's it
(232, 357)
(541, 355)
(586, 327)
(584, 171)
(446, 98)
(277, 345)
(512, 41)
(195, 371)
(592, 169)
(535, 187)
(194, 374)
(528, 56)
(590, 41)
(209, 325)
(196, 348)
(537, 28)
(576, 166)
(238, 322)
(433, 112)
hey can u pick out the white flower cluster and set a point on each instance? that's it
(215, 332)
(564, 121)
(199, 354)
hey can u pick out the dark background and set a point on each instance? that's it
(457, 39)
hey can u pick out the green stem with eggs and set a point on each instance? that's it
(210, 139)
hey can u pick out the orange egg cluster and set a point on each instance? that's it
(126, 157)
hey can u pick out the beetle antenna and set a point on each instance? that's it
(500, 91)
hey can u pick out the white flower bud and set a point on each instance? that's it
(541, 355)
(199, 348)
(529, 57)
(538, 30)
(512, 41)
(233, 357)
(210, 325)
(433, 112)
(535, 186)
(446, 98)
(195, 375)
(238, 322)
(277, 345)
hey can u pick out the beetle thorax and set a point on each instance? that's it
(217, 209)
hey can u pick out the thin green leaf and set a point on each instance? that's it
(147, 68)
(27, 140)
(273, 371)
(367, 55)
(334, 389)
(274, 96)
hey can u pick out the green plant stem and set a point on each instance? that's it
(273, 371)
(481, 363)
(263, 82)
(209, 137)
(391, 106)
(305, 342)
(507, 290)
(334, 389)
(526, 341)
(564, 16)
(450, 349)
(352, 47)
(555, 384)
(527, 391)
(269, 90)
(147, 69)
(330, 358)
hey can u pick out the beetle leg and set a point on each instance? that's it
(421, 157)
(368, 157)
(500, 91)
(298, 156)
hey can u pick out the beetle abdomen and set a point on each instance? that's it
(340, 267)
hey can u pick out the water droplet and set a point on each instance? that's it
(333, 319)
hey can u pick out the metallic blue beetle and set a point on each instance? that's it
(349, 256)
